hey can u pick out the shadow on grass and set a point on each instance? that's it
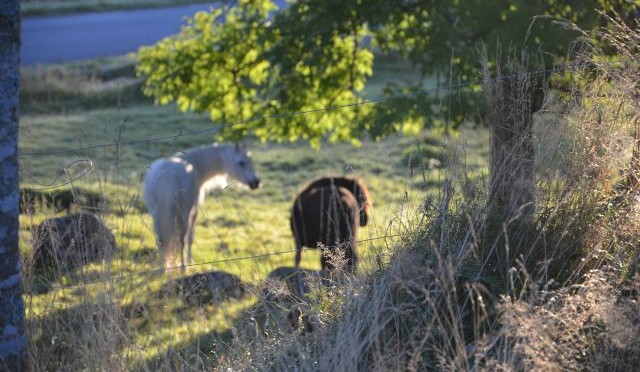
(78, 336)
(281, 310)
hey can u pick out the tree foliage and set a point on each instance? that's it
(299, 72)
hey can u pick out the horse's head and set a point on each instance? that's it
(240, 167)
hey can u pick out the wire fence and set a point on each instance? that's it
(365, 101)
(208, 263)
(173, 137)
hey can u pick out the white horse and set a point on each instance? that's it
(175, 187)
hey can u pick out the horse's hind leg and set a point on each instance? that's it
(181, 231)
(191, 227)
(352, 256)
(351, 252)
(156, 231)
(298, 254)
(183, 243)
(297, 228)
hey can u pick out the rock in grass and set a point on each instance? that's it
(64, 243)
(208, 287)
(289, 284)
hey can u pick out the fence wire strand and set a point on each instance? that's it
(65, 171)
(217, 127)
(251, 257)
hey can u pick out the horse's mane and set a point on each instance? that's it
(353, 184)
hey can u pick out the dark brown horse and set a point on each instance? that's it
(327, 214)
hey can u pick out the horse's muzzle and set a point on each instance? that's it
(254, 184)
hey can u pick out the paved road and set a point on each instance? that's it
(76, 37)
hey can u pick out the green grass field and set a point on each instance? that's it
(86, 128)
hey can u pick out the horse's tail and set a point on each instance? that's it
(171, 249)
(165, 224)
(170, 235)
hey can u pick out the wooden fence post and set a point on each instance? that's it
(514, 93)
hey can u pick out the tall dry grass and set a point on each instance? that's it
(567, 297)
